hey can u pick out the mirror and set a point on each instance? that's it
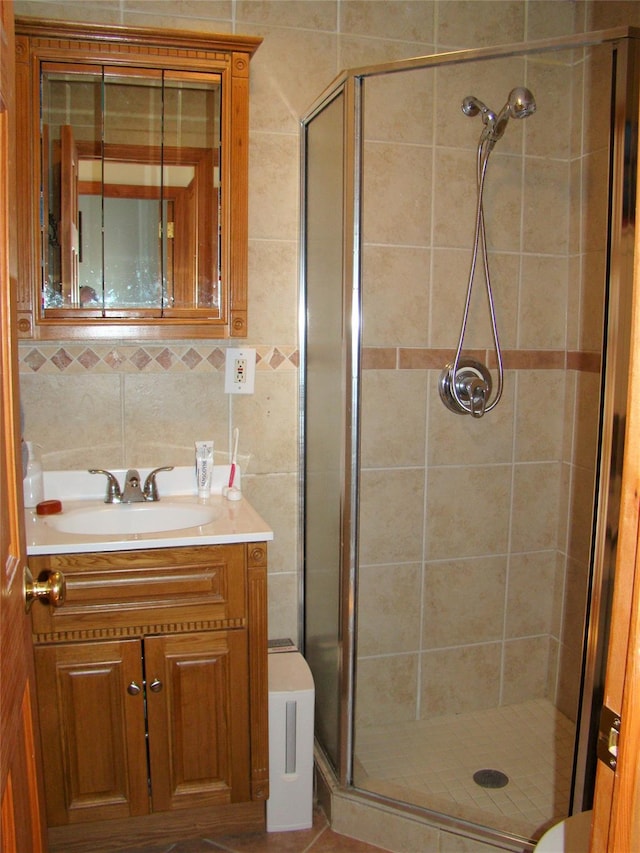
(131, 186)
(133, 222)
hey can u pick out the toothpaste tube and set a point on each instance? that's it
(204, 467)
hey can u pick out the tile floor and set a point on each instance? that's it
(319, 839)
(432, 762)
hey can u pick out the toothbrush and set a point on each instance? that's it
(232, 473)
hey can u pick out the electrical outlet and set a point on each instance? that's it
(240, 371)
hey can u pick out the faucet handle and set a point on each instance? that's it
(150, 486)
(114, 495)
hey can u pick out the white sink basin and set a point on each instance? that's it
(132, 518)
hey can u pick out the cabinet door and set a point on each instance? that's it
(93, 731)
(198, 718)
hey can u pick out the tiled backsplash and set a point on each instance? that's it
(142, 358)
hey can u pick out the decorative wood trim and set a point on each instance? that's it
(137, 36)
(258, 669)
(139, 630)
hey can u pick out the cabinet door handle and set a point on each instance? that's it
(155, 686)
(133, 689)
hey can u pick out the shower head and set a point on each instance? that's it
(520, 103)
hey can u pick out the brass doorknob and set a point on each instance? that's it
(53, 589)
(156, 685)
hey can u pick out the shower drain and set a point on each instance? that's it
(490, 778)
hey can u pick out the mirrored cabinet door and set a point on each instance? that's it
(136, 223)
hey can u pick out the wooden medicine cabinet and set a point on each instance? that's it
(132, 212)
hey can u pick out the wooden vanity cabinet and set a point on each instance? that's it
(152, 688)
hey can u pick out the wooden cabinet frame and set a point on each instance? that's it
(39, 41)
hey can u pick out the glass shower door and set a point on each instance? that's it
(323, 394)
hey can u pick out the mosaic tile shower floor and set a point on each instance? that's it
(431, 763)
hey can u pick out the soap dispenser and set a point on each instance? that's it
(33, 484)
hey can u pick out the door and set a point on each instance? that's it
(21, 827)
(91, 700)
(198, 718)
(616, 821)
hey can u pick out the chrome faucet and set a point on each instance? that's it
(132, 492)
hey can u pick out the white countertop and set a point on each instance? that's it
(234, 521)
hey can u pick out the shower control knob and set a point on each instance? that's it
(468, 391)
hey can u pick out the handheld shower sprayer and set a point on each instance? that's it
(520, 104)
(465, 384)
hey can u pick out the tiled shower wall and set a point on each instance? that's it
(472, 578)
(125, 404)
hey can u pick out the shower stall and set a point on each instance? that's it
(458, 569)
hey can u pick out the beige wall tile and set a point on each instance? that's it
(592, 301)
(525, 670)
(386, 689)
(283, 600)
(75, 419)
(395, 315)
(594, 193)
(273, 291)
(568, 686)
(163, 419)
(585, 439)
(388, 609)
(581, 516)
(393, 418)
(613, 13)
(400, 107)
(458, 680)
(463, 601)
(540, 411)
(552, 85)
(273, 177)
(543, 303)
(411, 20)
(529, 604)
(363, 51)
(287, 75)
(548, 18)
(302, 14)
(536, 494)
(391, 513)
(451, 271)
(467, 510)
(267, 422)
(274, 496)
(545, 207)
(397, 194)
(459, 25)
(105, 12)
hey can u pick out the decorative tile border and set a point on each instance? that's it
(79, 358)
(423, 358)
